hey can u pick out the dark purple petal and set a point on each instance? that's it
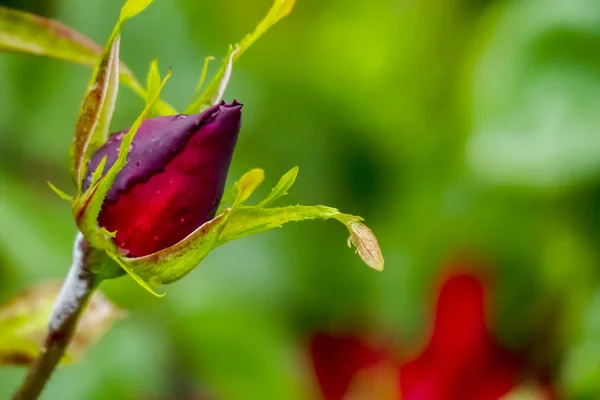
(173, 180)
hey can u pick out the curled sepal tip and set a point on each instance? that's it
(174, 262)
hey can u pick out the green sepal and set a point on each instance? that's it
(173, 263)
(97, 174)
(215, 89)
(59, 192)
(91, 130)
(203, 74)
(86, 207)
(282, 187)
(152, 83)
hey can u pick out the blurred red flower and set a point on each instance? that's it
(461, 361)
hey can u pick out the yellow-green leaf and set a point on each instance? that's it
(203, 74)
(99, 101)
(216, 88)
(133, 8)
(152, 83)
(248, 184)
(59, 192)
(96, 111)
(282, 187)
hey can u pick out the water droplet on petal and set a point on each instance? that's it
(155, 238)
(182, 221)
(131, 147)
(178, 117)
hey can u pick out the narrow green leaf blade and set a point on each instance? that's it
(248, 184)
(59, 192)
(133, 8)
(250, 220)
(216, 88)
(98, 105)
(279, 10)
(203, 74)
(282, 187)
(28, 33)
(97, 174)
(152, 83)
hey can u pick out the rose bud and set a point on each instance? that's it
(173, 180)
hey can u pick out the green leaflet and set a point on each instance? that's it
(216, 88)
(282, 187)
(24, 324)
(152, 84)
(173, 263)
(28, 33)
(133, 8)
(203, 74)
(59, 192)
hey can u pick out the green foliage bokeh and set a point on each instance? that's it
(449, 125)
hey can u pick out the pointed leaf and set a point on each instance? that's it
(250, 220)
(216, 88)
(59, 192)
(97, 174)
(207, 60)
(248, 184)
(24, 324)
(152, 82)
(282, 187)
(99, 101)
(96, 112)
(140, 281)
(133, 8)
(28, 33)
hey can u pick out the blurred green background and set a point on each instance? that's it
(449, 125)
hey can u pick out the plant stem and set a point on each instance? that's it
(70, 304)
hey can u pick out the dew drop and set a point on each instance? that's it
(182, 221)
(131, 148)
(155, 238)
(178, 117)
